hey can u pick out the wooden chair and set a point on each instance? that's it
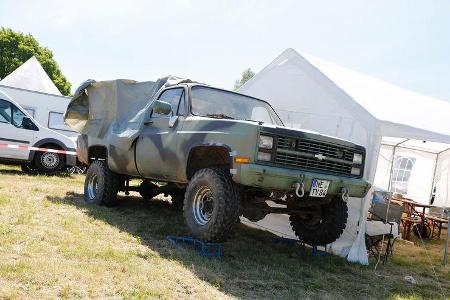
(409, 221)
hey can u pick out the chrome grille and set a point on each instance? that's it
(300, 153)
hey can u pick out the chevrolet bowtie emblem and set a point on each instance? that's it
(320, 156)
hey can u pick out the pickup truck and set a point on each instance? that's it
(222, 155)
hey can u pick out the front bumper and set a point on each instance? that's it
(283, 179)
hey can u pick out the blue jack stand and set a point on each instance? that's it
(206, 249)
(315, 251)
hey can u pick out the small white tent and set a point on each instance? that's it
(390, 122)
(31, 76)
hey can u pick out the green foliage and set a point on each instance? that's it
(246, 75)
(16, 48)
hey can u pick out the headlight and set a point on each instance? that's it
(264, 156)
(265, 142)
(357, 158)
(356, 171)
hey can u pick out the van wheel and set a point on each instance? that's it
(48, 162)
(324, 225)
(101, 185)
(211, 205)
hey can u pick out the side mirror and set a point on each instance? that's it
(162, 108)
(28, 124)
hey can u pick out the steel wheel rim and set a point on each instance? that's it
(50, 160)
(92, 186)
(203, 205)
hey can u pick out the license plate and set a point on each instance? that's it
(319, 188)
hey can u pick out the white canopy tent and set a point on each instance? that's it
(389, 121)
(31, 76)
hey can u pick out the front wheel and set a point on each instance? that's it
(323, 225)
(101, 184)
(211, 205)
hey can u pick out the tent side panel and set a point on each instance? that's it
(442, 180)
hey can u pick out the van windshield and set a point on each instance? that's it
(215, 103)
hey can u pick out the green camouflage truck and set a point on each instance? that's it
(221, 155)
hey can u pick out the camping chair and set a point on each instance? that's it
(382, 229)
(437, 218)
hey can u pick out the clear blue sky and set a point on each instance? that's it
(403, 42)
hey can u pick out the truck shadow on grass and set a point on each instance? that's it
(252, 265)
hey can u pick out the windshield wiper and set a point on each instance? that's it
(219, 116)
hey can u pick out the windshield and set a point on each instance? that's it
(215, 103)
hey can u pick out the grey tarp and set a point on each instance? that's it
(114, 110)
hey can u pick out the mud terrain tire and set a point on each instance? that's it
(328, 229)
(101, 185)
(211, 205)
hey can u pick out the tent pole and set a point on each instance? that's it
(434, 177)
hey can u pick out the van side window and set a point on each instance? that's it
(171, 96)
(5, 111)
(17, 117)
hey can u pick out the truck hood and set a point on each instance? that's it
(300, 133)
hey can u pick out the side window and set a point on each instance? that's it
(17, 117)
(56, 121)
(5, 111)
(173, 97)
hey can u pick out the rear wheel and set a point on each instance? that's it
(101, 184)
(323, 225)
(211, 205)
(48, 162)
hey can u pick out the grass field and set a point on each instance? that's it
(53, 245)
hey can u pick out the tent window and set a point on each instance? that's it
(402, 172)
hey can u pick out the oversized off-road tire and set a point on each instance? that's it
(148, 190)
(323, 229)
(48, 162)
(211, 205)
(101, 184)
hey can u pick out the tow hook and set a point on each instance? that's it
(344, 194)
(300, 189)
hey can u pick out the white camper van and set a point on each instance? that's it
(19, 131)
(46, 109)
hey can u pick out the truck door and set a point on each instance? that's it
(157, 155)
(15, 129)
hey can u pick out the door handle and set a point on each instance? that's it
(150, 122)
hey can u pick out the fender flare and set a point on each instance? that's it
(211, 145)
(48, 141)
